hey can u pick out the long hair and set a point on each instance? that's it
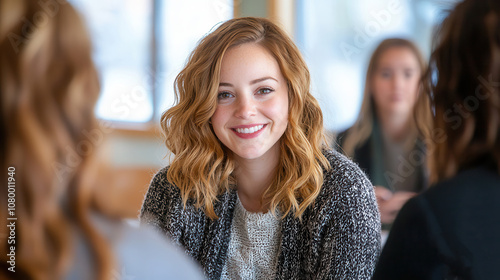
(202, 167)
(48, 88)
(463, 80)
(358, 134)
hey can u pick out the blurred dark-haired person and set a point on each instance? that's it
(384, 139)
(452, 230)
(48, 89)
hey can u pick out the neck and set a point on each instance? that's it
(254, 177)
(396, 127)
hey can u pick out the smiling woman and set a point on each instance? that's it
(253, 191)
(251, 117)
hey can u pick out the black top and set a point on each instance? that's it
(365, 157)
(451, 231)
(362, 154)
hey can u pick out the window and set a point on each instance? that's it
(139, 48)
(337, 38)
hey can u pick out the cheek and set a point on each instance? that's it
(379, 88)
(378, 94)
(218, 119)
(413, 89)
(279, 108)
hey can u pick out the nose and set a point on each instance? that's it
(245, 107)
(398, 81)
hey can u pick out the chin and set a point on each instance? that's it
(249, 155)
(400, 109)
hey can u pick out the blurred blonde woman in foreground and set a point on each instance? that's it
(48, 88)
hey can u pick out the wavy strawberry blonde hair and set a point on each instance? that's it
(202, 167)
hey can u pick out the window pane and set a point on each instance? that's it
(337, 38)
(121, 35)
(181, 25)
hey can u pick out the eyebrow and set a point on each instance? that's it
(251, 82)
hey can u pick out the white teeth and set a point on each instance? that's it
(250, 129)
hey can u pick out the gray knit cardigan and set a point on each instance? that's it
(338, 238)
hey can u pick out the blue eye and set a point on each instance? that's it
(265, 91)
(224, 95)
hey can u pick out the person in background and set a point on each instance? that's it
(451, 230)
(384, 140)
(48, 89)
(253, 191)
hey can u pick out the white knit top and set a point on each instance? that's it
(253, 246)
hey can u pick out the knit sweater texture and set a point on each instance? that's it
(253, 246)
(338, 237)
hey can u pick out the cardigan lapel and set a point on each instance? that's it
(289, 258)
(217, 236)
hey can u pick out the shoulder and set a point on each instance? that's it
(344, 175)
(465, 182)
(138, 248)
(162, 201)
(160, 183)
(160, 191)
(346, 191)
(135, 249)
(470, 193)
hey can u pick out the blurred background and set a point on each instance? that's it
(141, 45)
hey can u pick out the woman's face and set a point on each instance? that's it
(396, 80)
(252, 102)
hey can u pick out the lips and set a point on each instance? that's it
(248, 131)
(397, 97)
